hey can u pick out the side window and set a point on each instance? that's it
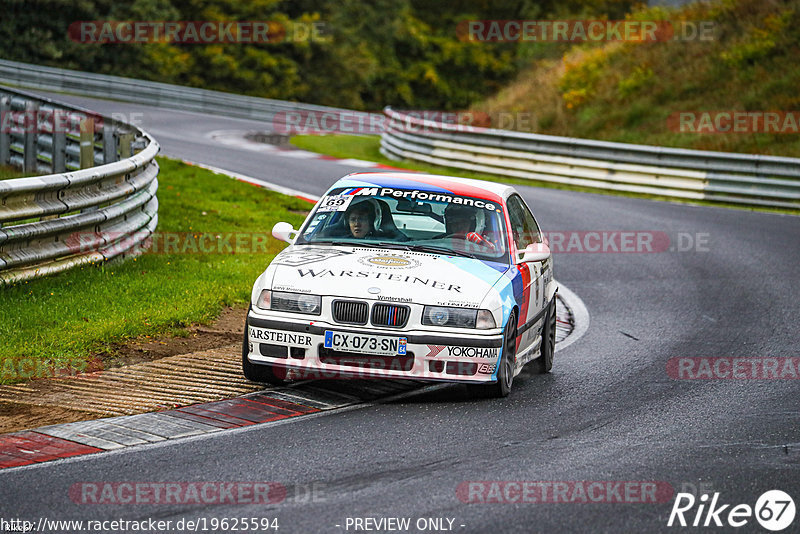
(523, 225)
(517, 220)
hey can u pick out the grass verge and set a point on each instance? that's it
(54, 324)
(635, 91)
(367, 148)
(7, 173)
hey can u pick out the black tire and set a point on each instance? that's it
(507, 363)
(258, 372)
(544, 363)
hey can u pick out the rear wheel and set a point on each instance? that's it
(258, 372)
(544, 363)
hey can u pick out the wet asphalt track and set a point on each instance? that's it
(608, 411)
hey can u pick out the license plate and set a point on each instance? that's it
(380, 345)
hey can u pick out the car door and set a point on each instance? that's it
(524, 231)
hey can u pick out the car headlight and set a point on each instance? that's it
(296, 302)
(485, 320)
(457, 317)
(264, 299)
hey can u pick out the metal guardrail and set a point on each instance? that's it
(151, 93)
(99, 200)
(679, 173)
(689, 174)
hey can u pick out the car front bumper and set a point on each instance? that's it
(296, 347)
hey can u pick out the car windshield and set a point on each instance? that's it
(409, 220)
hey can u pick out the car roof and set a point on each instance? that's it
(407, 180)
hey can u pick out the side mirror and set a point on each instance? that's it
(535, 252)
(284, 231)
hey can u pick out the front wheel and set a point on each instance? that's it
(544, 363)
(507, 363)
(258, 372)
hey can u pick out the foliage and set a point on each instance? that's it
(582, 72)
(629, 91)
(759, 42)
(638, 79)
(404, 53)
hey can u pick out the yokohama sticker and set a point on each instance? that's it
(472, 352)
(465, 352)
(433, 350)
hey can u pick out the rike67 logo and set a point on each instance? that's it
(774, 511)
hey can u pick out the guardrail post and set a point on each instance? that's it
(109, 142)
(125, 145)
(29, 143)
(60, 120)
(87, 143)
(5, 137)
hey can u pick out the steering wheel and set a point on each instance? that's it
(473, 237)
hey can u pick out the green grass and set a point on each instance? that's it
(59, 322)
(367, 148)
(6, 173)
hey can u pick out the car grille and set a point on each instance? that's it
(390, 315)
(350, 311)
(368, 361)
(273, 351)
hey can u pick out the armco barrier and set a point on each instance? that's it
(688, 174)
(679, 173)
(98, 201)
(151, 93)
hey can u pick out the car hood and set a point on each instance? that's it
(381, 274)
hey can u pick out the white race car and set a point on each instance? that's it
(412, 276)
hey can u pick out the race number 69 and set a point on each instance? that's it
(335, 203)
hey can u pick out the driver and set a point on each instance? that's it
(460, 221)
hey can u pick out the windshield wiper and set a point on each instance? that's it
(365, 244)
(393, 245)
(396, 246)
(441, 250)
(338, 243)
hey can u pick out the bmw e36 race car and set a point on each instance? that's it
(406, 276)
